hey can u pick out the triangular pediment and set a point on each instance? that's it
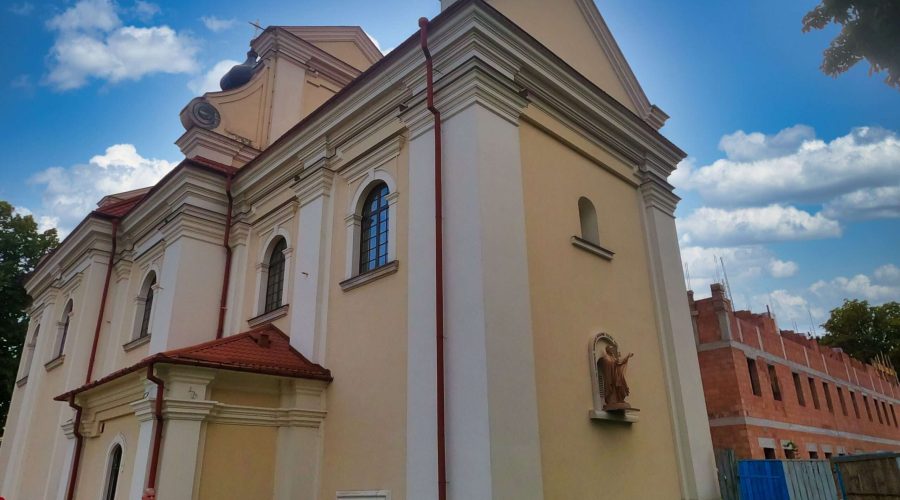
(575, 31)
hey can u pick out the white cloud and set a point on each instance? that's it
(871, 203)
(742, 264)
(794, 167)
(782, 269)
(21, 9)
(44, 222)
(791, 311)
(378, 44)
(860, 286)
(70, 193)
(216, 24)
(209, 81)
(145, 10)
(87, 15)
(92, 43)
(741, 146)
(888, 273)
(716, 226)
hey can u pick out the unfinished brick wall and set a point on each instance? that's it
(739, 418)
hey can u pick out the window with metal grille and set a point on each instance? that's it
(148, 307)
(373, 241)
(112, 480)
(275, 277)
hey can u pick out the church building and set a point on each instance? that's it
(448, 272)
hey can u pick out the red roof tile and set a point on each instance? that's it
(265, 349)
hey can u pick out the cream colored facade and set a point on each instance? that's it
(539, 111)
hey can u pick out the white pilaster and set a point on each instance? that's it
(310, 287)
(299, 447)
(493, 443)
(421, 392)
(186, 407)
(687, 405)
(143, 410)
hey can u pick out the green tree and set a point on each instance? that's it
(21, 246)
(870, 30)
(863, 331)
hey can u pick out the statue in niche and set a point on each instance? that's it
(610, 388)
(615, 388)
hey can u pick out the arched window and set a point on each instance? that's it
(373, 242)
(146, 304)
(64, 328)
(590, 231)
(30, 348)
(275, 276)
(112, 478)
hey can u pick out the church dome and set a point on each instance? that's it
(240, 74)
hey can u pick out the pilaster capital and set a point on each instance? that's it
(655, 188)
(313, 185)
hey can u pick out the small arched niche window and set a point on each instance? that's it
(112, 475)
(589, 240)
(64, 324)
(145, 301)
(590, 231)
(275, 276)
(30, 349)
(373, 241)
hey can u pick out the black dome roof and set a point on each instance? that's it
(240, 74)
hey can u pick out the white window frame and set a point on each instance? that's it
(353, 219)
(262, 269)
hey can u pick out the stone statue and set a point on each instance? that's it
(615, 389)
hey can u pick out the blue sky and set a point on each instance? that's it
(793, 178)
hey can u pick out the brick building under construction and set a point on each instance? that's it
(774, 393)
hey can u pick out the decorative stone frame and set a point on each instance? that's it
(119, 440)
(262, 271)
(353, 221)
(59, 345)
(597, 392)
(140, 302)
(30, 352)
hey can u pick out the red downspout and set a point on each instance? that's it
(109, 269)
(438, 261)
(223, 303)
(79, 441)
(157, 431)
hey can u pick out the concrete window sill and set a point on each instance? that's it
(53, 363)
(134, 344)
(362, 279)
(269, 316)
(593, 248)
(22, 381)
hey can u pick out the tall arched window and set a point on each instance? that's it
(373, 242)
(275, 276)
(146, 301)
(590, 231)
(64, 328)
(112, 478)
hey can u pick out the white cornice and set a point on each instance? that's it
(92, 235)
(501, 58)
